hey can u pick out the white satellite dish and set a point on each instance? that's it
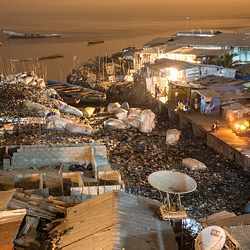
(172, 182)
(212, 237)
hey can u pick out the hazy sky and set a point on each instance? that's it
(126, 9)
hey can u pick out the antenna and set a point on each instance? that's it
(176, 184)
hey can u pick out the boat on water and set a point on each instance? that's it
(28, 35)
(95, 42)
(43, 58)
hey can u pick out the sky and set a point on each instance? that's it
(128, 9)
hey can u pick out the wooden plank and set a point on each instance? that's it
(5, 197)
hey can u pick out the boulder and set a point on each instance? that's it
(147, 121)
(113, 107)
(121, 114)
(67, 109)
(173, 136)
(114, 124)
(33, 107)
(193, 164)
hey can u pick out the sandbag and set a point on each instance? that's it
(67, 109)
(147, 121)
(33, 107)
(193, 164)
(114, 124)
(173, 136)
(211, 238)
(113, 107)
(121, 114)
(80, 129)
(57, 123)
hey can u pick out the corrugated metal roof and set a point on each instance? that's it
(199, 52)
(168, 63)
(222, 39)
(115, 220)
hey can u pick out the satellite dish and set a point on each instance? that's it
(212, 237)
(172, 182)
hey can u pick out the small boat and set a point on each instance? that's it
(56, 56)
(94, 42)
(28, 35)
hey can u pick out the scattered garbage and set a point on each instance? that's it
(212, 237)
(173, 136)
(193, 164)
(88, 111)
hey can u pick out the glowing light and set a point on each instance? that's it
(173, 74)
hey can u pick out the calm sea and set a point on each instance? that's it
(77, 31)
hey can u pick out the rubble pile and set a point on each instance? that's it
(26, 95)
(16, 89)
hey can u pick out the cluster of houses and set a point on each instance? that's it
(193, 66)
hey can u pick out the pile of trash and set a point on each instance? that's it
(16, 89)
(26, 95)
(126, 117)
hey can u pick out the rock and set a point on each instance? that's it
(79, 129)
(193, 164)
(173, 136)
(32, 107)
(65, 108)
(121, 114)
(147, 121)
(113, 107)
(114, 124)
(88, 111)
(125, 106)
